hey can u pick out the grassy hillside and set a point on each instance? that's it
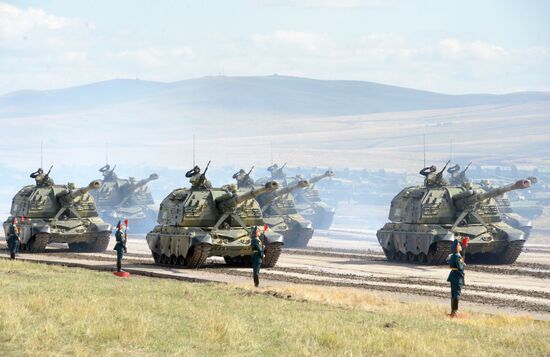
(48, 310)
(275, 95)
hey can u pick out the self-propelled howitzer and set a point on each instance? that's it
(311, 207)
(198, 223)
(281, 215)
(425, 220)
(59, 214)
(128, 199)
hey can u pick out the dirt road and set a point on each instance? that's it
(343, 260)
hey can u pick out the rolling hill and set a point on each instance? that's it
(271, 95)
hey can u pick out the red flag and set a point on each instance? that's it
(465, 241)
(126, 222)
(265, 227)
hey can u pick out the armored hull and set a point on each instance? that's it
(319, 214)
(58, 214)
(512, 218)
(296, 231)
(198, 223)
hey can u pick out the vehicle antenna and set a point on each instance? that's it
(41, 153)
(451, 151)
(271, 151)
(424, 150)
(193, 150)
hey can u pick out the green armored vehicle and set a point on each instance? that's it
(311, 207)
(426, 219)
(200, 222)
(52, 213)
(126, 198)
(281, 215)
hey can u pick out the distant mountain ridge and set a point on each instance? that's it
(261, 94)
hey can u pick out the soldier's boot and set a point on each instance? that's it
(454, 307)
(119, 265)
(256, 280)
(12, 255)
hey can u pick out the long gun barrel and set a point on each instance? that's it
(470, 198)
(145, 181)
(67, 197)
(236, 200)
(316, 179)
(266, 199)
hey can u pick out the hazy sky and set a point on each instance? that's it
(449, 46)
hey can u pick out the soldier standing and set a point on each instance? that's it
(456, 276)
(120, 246)
(13, 238)
(257, 255)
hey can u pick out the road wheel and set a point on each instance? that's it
(421, 257)
(389, 253)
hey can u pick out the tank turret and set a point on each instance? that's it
(426, 219)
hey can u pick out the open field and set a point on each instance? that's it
(352, 259)
(51, 310)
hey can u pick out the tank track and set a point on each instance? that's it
(97, 244)
(436, 256)
(511, 253)
(37, 244)
(196, 257)
(243, 261)
(272, 254)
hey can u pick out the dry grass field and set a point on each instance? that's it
(49, 310)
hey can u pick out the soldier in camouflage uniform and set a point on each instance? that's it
(42, 180)
(277, 172)
(197, 180)
(456, 276)
(108, 173)
(13, 238)
(257, 254)
(120, 246)
(429, 173)
(432, 177)
(243, 179)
